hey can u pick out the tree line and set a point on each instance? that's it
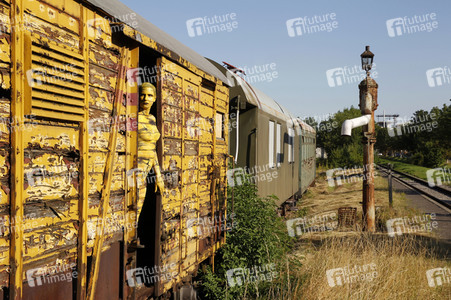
(423, 139)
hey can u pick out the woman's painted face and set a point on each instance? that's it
(147, 99)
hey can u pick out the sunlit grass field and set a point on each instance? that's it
(402, 166)
(390, 267)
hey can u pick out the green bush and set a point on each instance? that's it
(433, 155)
(416, 159)
(347, 155)
(259, 238)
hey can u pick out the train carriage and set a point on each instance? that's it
(307, 156)
(268, 142)
(69, 194)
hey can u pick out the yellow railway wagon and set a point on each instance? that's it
(72, 225)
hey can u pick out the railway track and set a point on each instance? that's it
(440, 194)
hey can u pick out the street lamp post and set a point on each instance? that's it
(368, 104)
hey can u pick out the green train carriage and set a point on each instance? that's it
(267, 142)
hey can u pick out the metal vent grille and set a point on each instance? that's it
(56, 77)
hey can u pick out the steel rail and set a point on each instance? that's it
(425, 188)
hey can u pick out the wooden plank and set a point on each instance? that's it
(221, 106)
(57, 56)
(192, 103)
(103, 57)
(58, 107)
(17, 155)
(52, 45)
(5, 177)
(96, 169)
(55, 98)
(191, 90)
(50, 56)
(222, 93)
(57, 238)
(83, 201)
(173, 130)
(190, 162)
(131, 163)
(205, 111)
(50, 32)
(5, 21)
(94, 272)
(48, 136)
(73, 79)
(4, 258)
(101, 124)
(99, 29)
(101, 99)
(172, 114)
(172, 146)
(206, 99)
(60, 91)
(170, 80)
(72, 8)
(102, 78)
(5, 46)
(54, 16)
(172, 98)
(58, 115)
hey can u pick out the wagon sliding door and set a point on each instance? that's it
(49, 106)
(64, 81)
(186, 119)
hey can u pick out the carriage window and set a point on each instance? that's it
(290, 145)
(271, 144)
(278, 142)
(219, 125)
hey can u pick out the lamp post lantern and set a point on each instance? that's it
(367, 60)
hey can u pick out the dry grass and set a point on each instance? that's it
(323, 199)
(401, 262)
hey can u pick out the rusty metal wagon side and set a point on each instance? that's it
(69, 101)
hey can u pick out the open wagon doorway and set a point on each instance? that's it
(149, 198)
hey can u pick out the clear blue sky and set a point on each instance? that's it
(261, 38)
